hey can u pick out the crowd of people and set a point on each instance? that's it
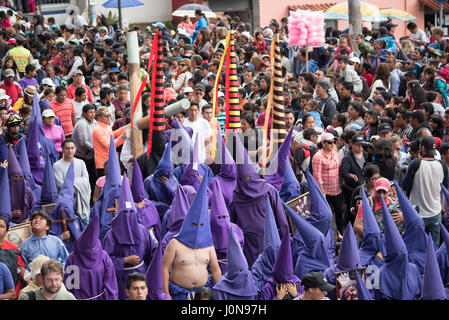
(366, 154)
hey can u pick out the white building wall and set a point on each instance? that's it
(153, 10)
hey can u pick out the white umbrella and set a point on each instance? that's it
(189, 10)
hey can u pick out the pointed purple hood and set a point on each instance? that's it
(87, 247)
(154, 276)
(125, 227)
(20, 194)
(158, 190)
(22, 155)
(398, 278)
(262, 267)
(5, 199)
(113, 176)
(249, 184)
(320, 211)
(313, 255)
(414, 232)
(137, 188)
(34, 155)
(195, 230)
(66, 203)
(362, 290)
(3, 151)
(373, 240)
(432, 286)
(220, 222)
(180, 206)
(283, 267)
(349, 258)
(228, 173)
(237, 280)
(191, 175)
(49, 192)
(278, 162)
(65, 196)
(290, 187)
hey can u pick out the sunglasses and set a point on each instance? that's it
(329, 141)
(182, 65)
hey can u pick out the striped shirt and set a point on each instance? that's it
(325, 172)
(64, 112)
(405, 133)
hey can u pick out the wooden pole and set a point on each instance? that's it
(134, 83)
(307, 58)
(355, 20)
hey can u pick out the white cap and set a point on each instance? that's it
(354, 58)
(48, 82)
(3, 94)
(187, 90)
(47, 113)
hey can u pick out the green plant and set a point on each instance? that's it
(112, 18)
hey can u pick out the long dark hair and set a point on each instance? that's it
(418, 93)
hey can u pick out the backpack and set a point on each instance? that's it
(11, 260)
(302, 152)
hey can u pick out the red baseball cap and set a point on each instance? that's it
(382, 184)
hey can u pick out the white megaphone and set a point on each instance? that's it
(177, 107)
(174, 108)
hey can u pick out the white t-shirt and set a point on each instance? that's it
(201, 128)
(420, 35)
(79, 107)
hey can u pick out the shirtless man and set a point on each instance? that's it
(188, 266)
(190, 252)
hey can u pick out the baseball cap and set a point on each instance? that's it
(391, 25)
(355, 126)
(382, 184)
(315, 279)
(159, 25)
(357, 139)
(385, 127)
(199, 86)
(9, 73)
(383, 30)
(327, 137)
(249, 65)
(325, 84)
(205, 65)
(114, 70)
(48, 82)
(77, 71)
(187, 90)
(47, 113)
(354, 59)
(392, 50)
(11, 41)
(309, 132)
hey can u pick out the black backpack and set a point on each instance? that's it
(300, 155)
(11, 260)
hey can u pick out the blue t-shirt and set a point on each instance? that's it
(6, 282)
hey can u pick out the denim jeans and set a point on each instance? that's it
(432, 226)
